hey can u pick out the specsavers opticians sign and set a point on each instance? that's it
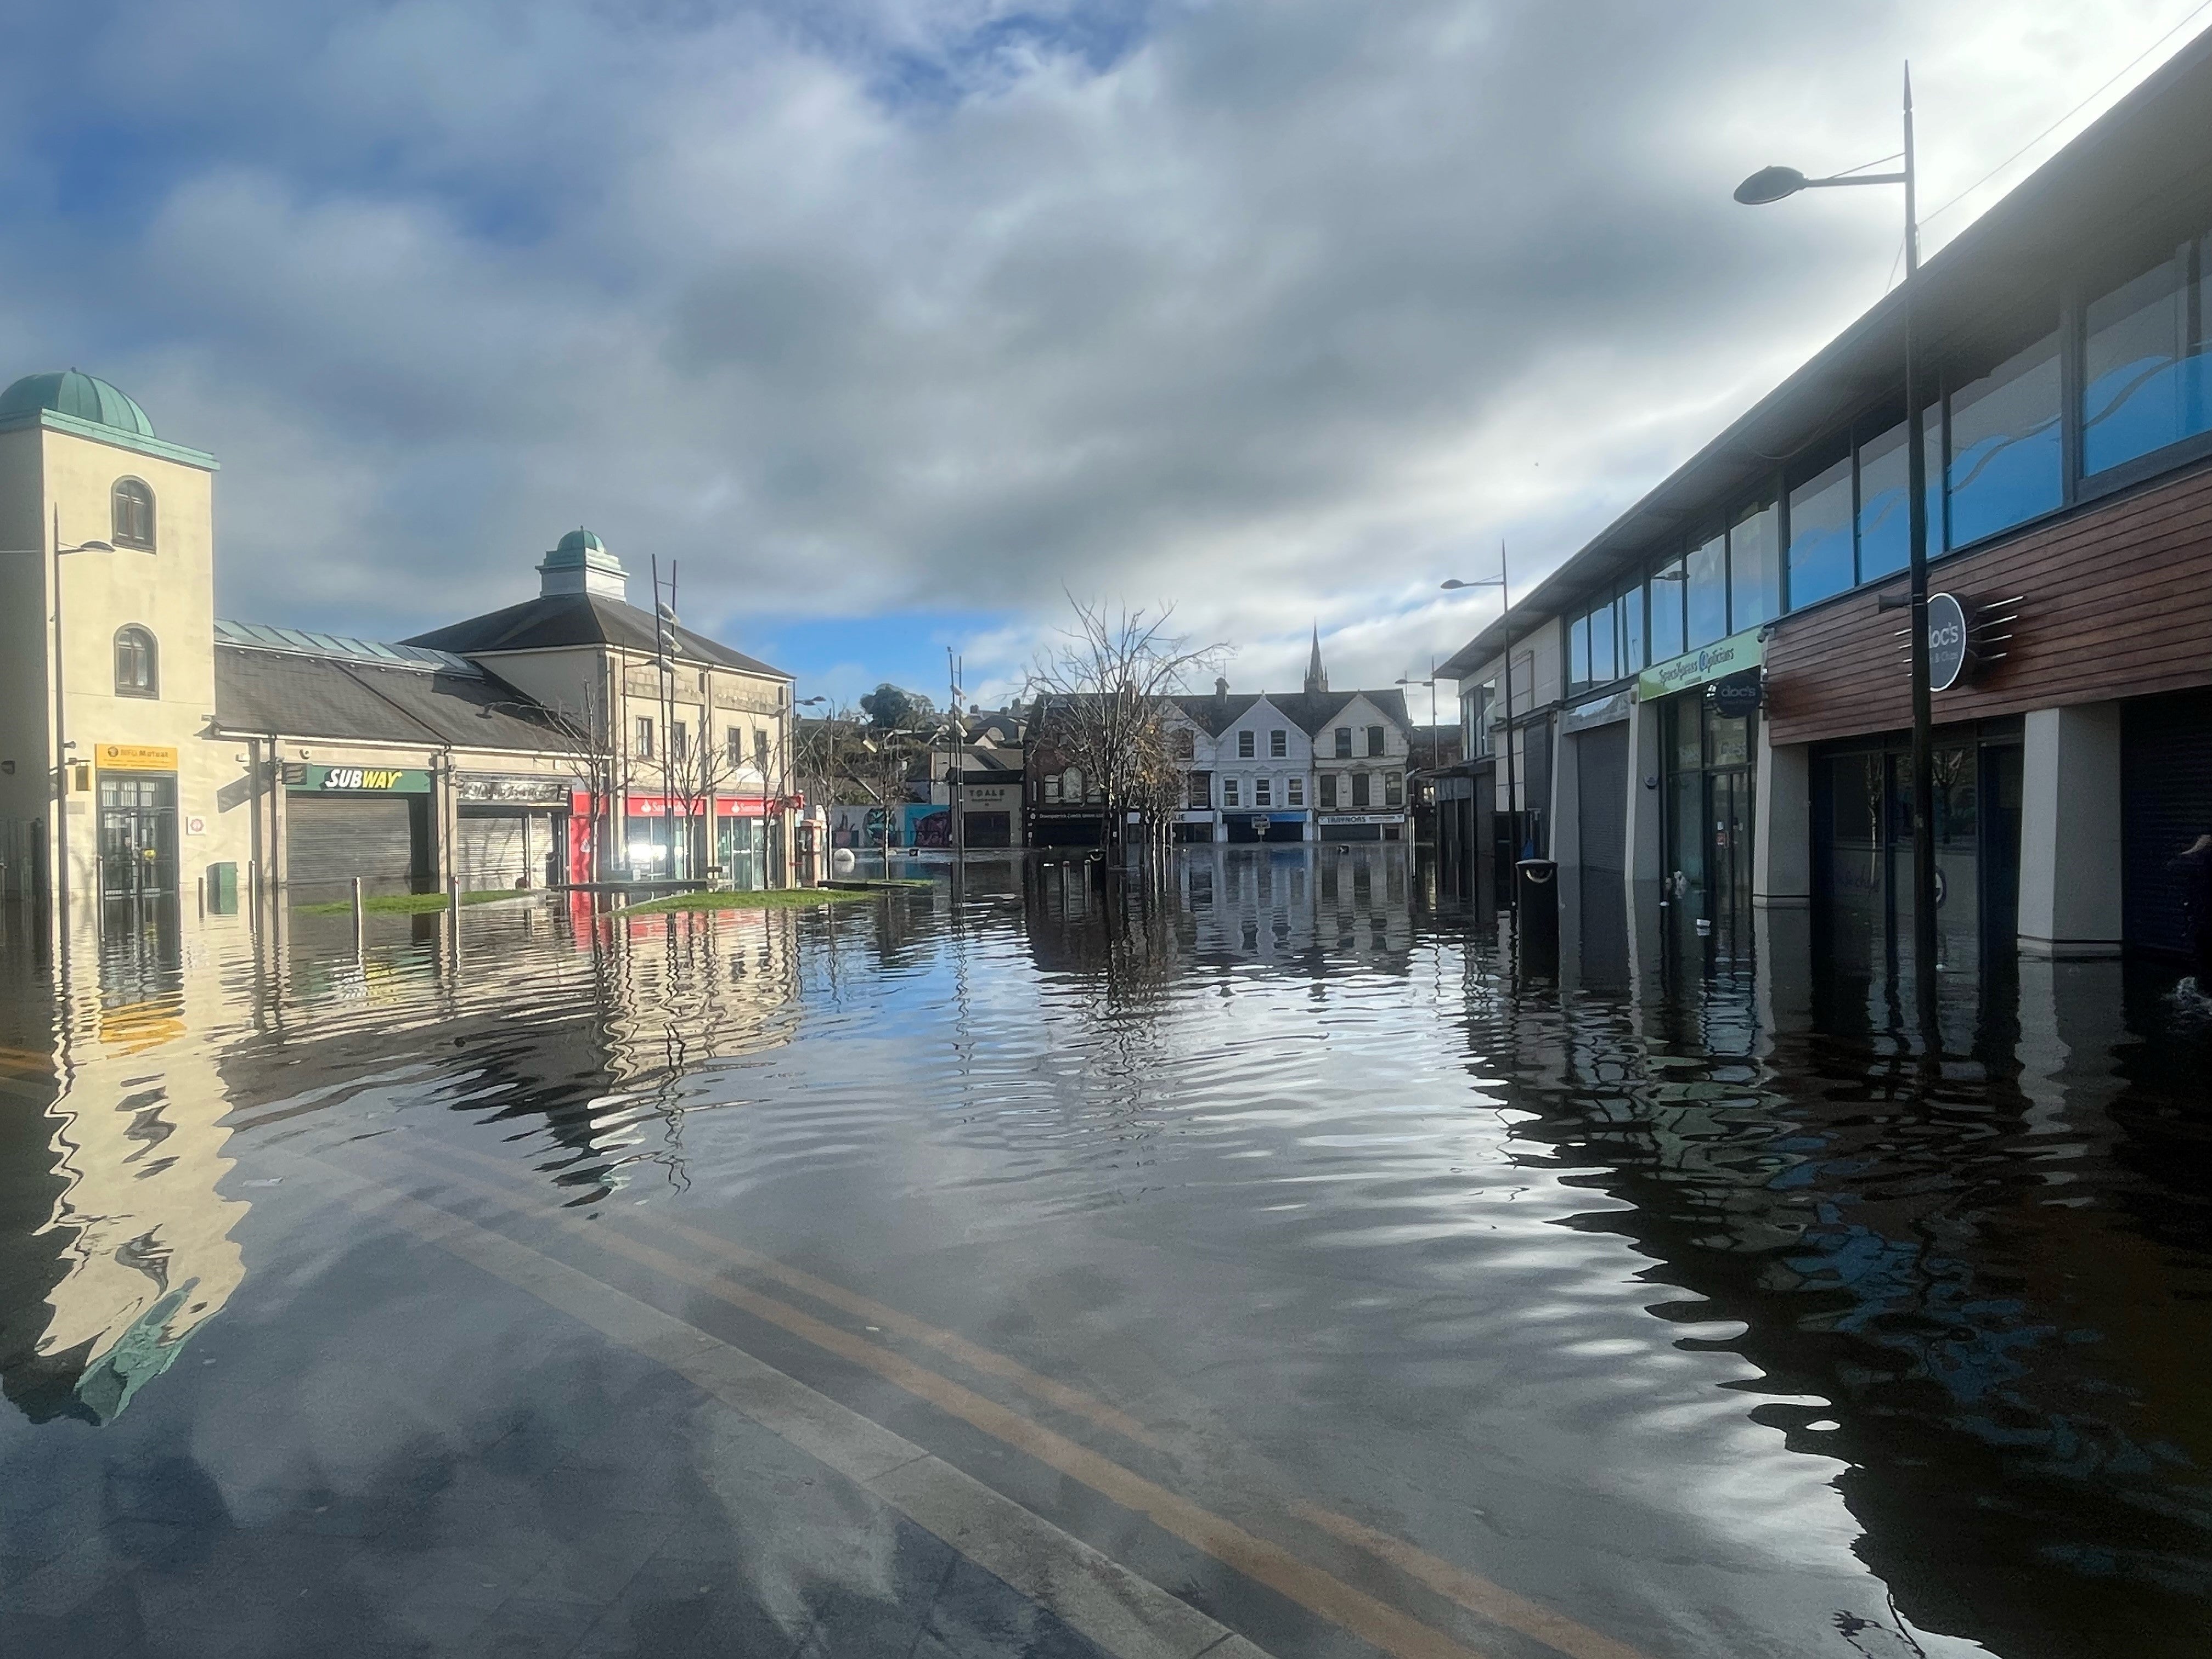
(1729, 656)
(380, 780)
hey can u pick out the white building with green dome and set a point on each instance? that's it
(151, 755)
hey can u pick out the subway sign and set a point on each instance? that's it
(374, 779)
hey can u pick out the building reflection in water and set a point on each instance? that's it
(1983, 1283)
(117, 1236)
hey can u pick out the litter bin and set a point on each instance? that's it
(223, 889)
(1536, 886)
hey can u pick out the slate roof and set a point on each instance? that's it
(1215, 714)
(297, 696)
(563, 619)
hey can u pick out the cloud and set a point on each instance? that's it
(1275, 311)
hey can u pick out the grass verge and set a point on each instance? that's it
(409, 904)
(766, 898)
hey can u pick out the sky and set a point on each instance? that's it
(892, 325)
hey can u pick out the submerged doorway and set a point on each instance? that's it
(1863, 850)
(137, 837)
(1710, 802)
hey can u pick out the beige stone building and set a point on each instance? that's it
(151, 754)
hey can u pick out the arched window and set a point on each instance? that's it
(137, 664)
(134, 514)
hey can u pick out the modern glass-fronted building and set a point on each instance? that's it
(1727, 721)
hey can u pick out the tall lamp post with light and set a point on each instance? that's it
(1772, 184)
(1435, 750)
(1512, 782)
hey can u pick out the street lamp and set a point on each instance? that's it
(1435, 753)
(1512, 780)
(1772, 184)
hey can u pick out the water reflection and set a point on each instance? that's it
(1677, 1290)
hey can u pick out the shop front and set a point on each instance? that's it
(1861, 806)
(1249, 827)
(1361, 826)
(1707, 703)
(137, 822)
(343, 823)
(509, 829)
(738, 839)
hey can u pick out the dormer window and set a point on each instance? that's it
(133, 505)
(137, 664)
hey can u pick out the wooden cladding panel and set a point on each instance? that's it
(2115, 602)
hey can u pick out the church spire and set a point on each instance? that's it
(1316, 676)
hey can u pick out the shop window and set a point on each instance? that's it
(1279, 745)
(1244, 745)
(2005, 465)
(1579, 654)
(133, 514)
(137, 664)
(1052, 789)
(1374, 739)
(2147, 376)
(1707, 599)
(1885, 533)
(1632, 659)
(1071, 785)
(1755, 566)
(1822, 564)
(1669, 585)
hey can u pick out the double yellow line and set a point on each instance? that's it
(1258, 1558)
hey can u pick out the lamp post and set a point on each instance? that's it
(1435, 751)
(789, 779)
(1772, 184)
(1512, 782)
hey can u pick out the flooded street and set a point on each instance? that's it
(1259, 1232)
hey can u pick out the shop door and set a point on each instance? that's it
(2166, 789)
(137, 837)
(988, 828)
(738, 850)
(1728, 810)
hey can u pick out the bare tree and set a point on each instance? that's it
(584, 738)
(1102, 695)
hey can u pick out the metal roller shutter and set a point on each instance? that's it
(331, 839)
(1601, 796)
(2165, 761)
(490, 851)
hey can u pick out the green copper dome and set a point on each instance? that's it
(577, 542)
(81, 395)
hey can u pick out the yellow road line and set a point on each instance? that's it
(1258, 1558)
(1470, 1590)
(1123, 1614)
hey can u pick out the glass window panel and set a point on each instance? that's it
(2146, 378)
(1885, 534)
(1632, 631)
(1755, 566)
(1579, 652)
(1707, 597)
(1667, 595)
(2004, 445)
(1601, 644)
(1821, 535)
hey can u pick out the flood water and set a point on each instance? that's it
(1262, 1229)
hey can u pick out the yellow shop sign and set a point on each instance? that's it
(135, 757)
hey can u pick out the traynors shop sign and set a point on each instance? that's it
(1710, 662)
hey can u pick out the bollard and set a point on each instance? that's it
(356, 901)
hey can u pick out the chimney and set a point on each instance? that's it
(1221, 689)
